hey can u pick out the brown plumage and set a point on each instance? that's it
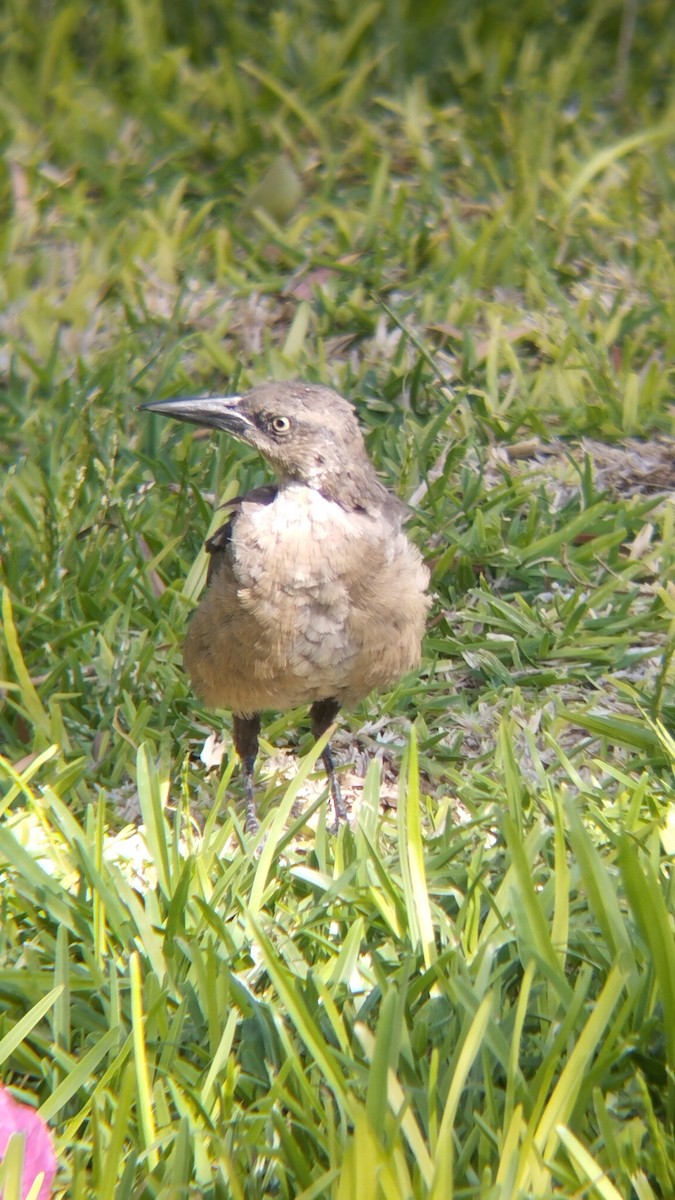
(315, 594)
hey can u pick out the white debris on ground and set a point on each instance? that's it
(634, 467)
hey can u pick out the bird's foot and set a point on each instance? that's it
(338, 805)
(251, 824)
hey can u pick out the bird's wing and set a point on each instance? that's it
(217, 545)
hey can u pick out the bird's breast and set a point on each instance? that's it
(302, 545)
(314, 601)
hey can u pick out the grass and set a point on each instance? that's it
(461, 219)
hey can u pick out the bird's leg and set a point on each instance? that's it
(245, 732)
(323, 713)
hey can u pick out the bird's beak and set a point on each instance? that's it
(215, 412)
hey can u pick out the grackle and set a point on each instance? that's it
(314, 593)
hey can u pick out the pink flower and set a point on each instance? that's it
(38, 1155)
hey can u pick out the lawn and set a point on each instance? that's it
(462, 217)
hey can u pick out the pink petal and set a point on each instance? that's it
(38, 1153)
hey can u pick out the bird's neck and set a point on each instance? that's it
(354, 488)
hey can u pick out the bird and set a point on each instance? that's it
(315, 594)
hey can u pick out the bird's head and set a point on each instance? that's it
(306, 432)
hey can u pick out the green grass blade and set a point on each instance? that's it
(31, 700)
(443, 1187)
(143, 1085)
(565, 1093)
(13, 1039)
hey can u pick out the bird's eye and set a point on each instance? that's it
(281, 424)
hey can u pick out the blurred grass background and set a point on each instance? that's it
(462, 218)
